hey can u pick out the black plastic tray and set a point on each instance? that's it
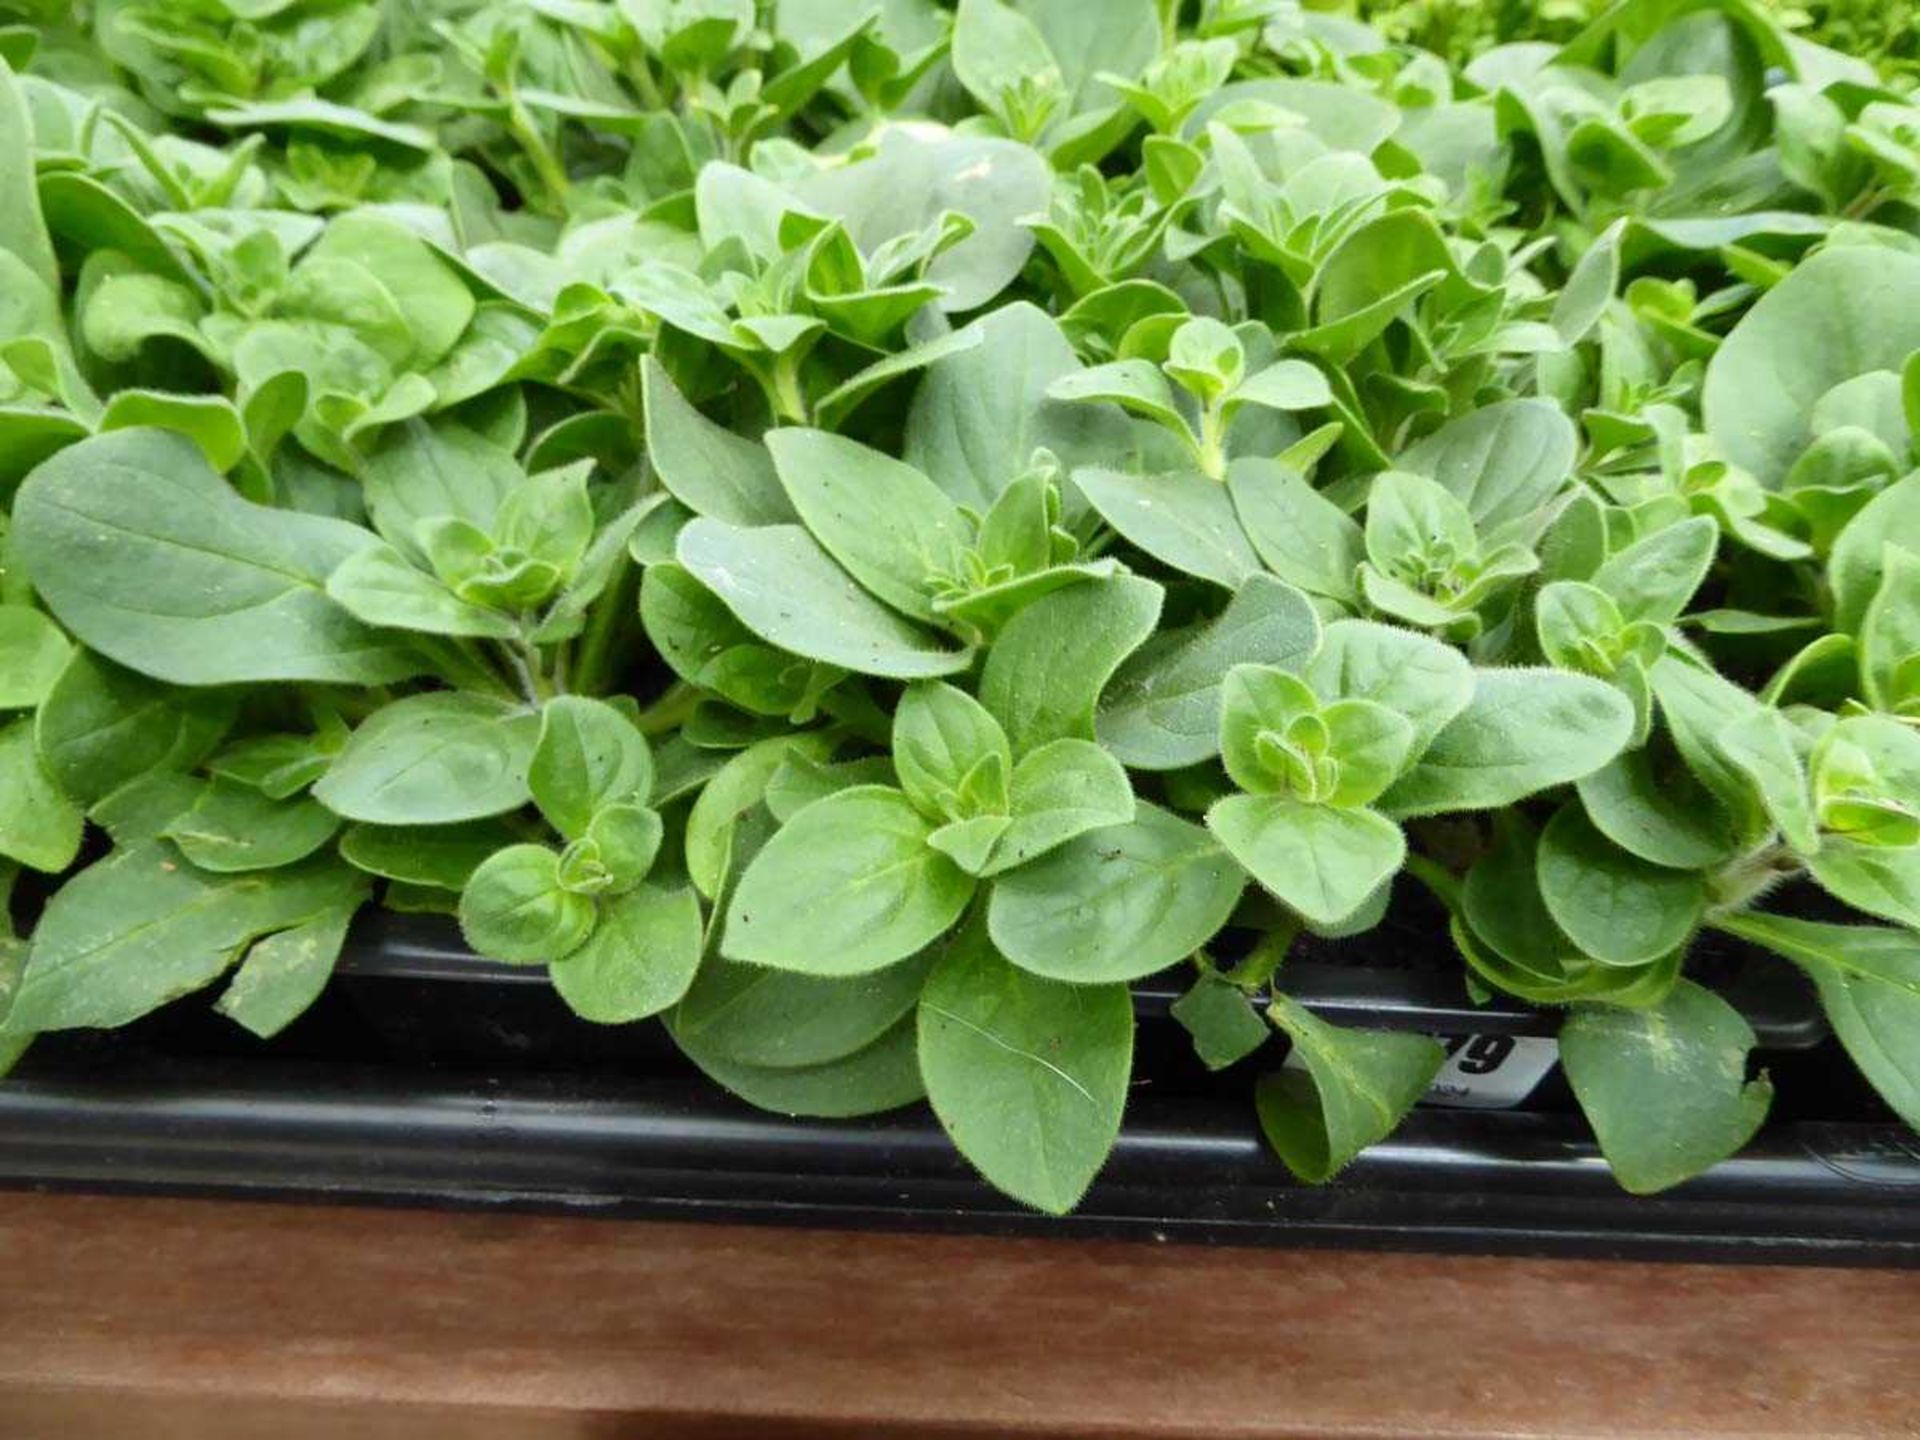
(1366, 983)
(1185, 1168)
(427, 1077)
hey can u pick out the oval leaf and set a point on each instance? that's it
(1028, 1076)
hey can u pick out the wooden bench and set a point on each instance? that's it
(183, 1318)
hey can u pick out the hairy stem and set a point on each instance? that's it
(1444, 884)
(670, 710)
(598, 645)
(553, 175)
(1212, 448)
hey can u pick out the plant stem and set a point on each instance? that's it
(523, 663)
(670, 710)
(640, 72)
(788, 399)
(1865, 203)
(593, 660)
(1740, 883)
(1212, 449)
(553, 175)
(1259, 964)
(1444, 884)
(462, 664)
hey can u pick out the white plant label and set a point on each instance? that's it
(1492, 1072)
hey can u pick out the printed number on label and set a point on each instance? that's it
(1492, 1072)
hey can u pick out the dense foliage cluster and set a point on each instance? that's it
(863, 530)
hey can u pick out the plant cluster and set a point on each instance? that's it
(862, 531)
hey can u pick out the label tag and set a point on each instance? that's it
(1492, 1072)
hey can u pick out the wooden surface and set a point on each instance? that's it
(161, 1319)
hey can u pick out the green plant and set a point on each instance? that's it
(863, 533)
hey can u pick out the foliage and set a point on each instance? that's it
(862, 531)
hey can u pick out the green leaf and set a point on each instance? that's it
(709, 469)
(1418, 677)
(970, 843)
(1654, 579)
(1352, 1088)
(549, 518)
(380, 586)
(1223, 1023)
(1340, 117)
(1761, 744)
(1869, 983)
(1890, 630)
(1580, 627)
(1698, 705)
(1882, 881)
(733, 794)
(588, 756)
(1028, 1076)
(889, 526)
(233, 828)
(1136, 386)
(1524, 731)
(143, 927)
(1504, 460)
(1061, 790)
(1322, 860)
(1665, 1088)
(1044, 675)
(1181, 518)
(996, 48)
(1650, 805)
(435, 304)
(1503, 908)
(513, 908)
(978, 417)
(126, 311)
(1616, 907)
(427, 472)
(1118, 903)
(1299, 534)
(322, 117)
(22, 231)
(139, 810)
(33, 652)
(619, 848)
(786, 589)
(883, 1076)
(912, 180)
(101, 727)
(833, 407)
(1162, 709)
(1407, 514)
(210, 421)
(638, 961)
(439, 856)
(1596, 276)
(285, 973)
(801, 780)
(144, 553)
(1856, 569)
(1284, 385)
(1260, 705)
(942, 737)
(848, 885)
(39, 826)
(1339, 339)
(29, 434)
(433, 759)
(780, 1019)
(1845, 311)
(699, 637)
